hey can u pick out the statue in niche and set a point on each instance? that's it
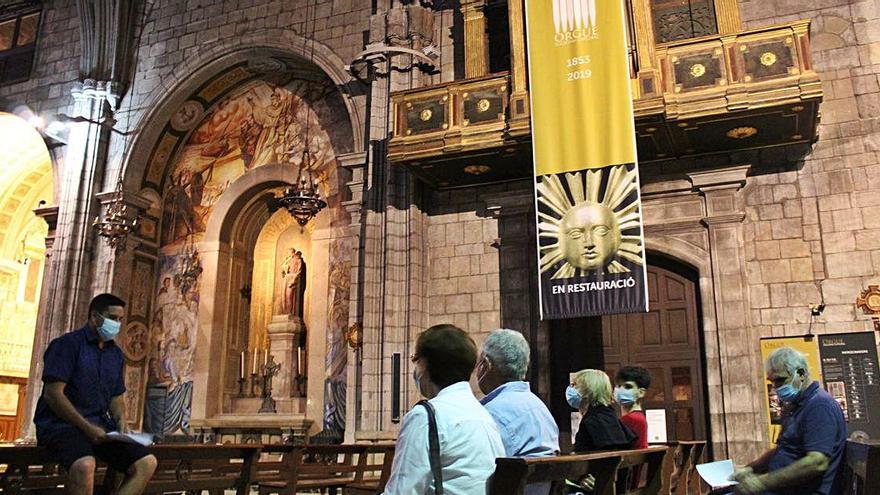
(290, 298)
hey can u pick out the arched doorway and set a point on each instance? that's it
(667, 341)
(25, 184)
(236, 142)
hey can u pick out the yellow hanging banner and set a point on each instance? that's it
(582, 114)
(590, 242)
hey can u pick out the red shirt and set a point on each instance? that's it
(637, 422)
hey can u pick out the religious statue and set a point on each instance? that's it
(293, 284)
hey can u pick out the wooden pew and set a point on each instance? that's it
(278, 464)
(32, 469)
(374, 468)
(647, 463)
(862, 467)
(197, 467)
(679, 468)
(353, 469)
(512, 474)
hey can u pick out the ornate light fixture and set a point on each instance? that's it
(302, 199)
(116, 224)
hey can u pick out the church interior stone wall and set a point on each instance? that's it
(769, 232)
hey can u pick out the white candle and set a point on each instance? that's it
(265, 357)
(254, 371)
(299, 359)
(241, 362)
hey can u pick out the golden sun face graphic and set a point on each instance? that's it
(580, 231)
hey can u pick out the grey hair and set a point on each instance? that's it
(788, 360)
(508, 352)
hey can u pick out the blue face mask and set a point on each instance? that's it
(109, 329)
(787, 393)
(573, 397)
(624, 396)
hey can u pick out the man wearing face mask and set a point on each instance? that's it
(82, 401)
(808, 453)
(527, 428)
(468, 438)
(631, 383)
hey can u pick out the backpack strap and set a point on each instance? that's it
(433, 447)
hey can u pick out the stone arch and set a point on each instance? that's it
(206, 302)
(242, 206)
(218, 57)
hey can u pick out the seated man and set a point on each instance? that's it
(467, 436)
(810, 448)
(82, 401)
(526, 425)
(631, 383)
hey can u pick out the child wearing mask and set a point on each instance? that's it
(630, 384)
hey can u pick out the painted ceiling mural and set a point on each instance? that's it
(258, 124)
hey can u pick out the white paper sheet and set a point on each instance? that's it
(145, 439)
(717, 474)
(656, 419)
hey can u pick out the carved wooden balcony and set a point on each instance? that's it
(715, 94)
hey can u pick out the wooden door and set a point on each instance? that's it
(666, 341)
(10, 424)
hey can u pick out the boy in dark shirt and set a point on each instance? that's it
(630, 384)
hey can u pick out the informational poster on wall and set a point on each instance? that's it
(590, 243)
(656, 419)
(809, 346)
(850, 374)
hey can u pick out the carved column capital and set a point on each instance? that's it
(720, 188)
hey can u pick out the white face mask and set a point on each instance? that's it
(418, 379)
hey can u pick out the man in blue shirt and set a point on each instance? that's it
(526, 425)
(82, 401)
(808, 453)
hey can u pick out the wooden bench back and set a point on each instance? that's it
(861, 467)
(645, 463)
(679, 467)
(203, 467)
(512, 474)
(278, 463)
(26, 469)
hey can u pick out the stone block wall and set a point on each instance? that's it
(814, 230)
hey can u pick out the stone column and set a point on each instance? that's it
(732, 347)
(476, 43)
(390, 242)
(69, 271)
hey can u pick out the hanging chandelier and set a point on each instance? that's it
(302, 199)
(116, 224)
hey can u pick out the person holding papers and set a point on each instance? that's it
(82, 404)
(808, 453)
